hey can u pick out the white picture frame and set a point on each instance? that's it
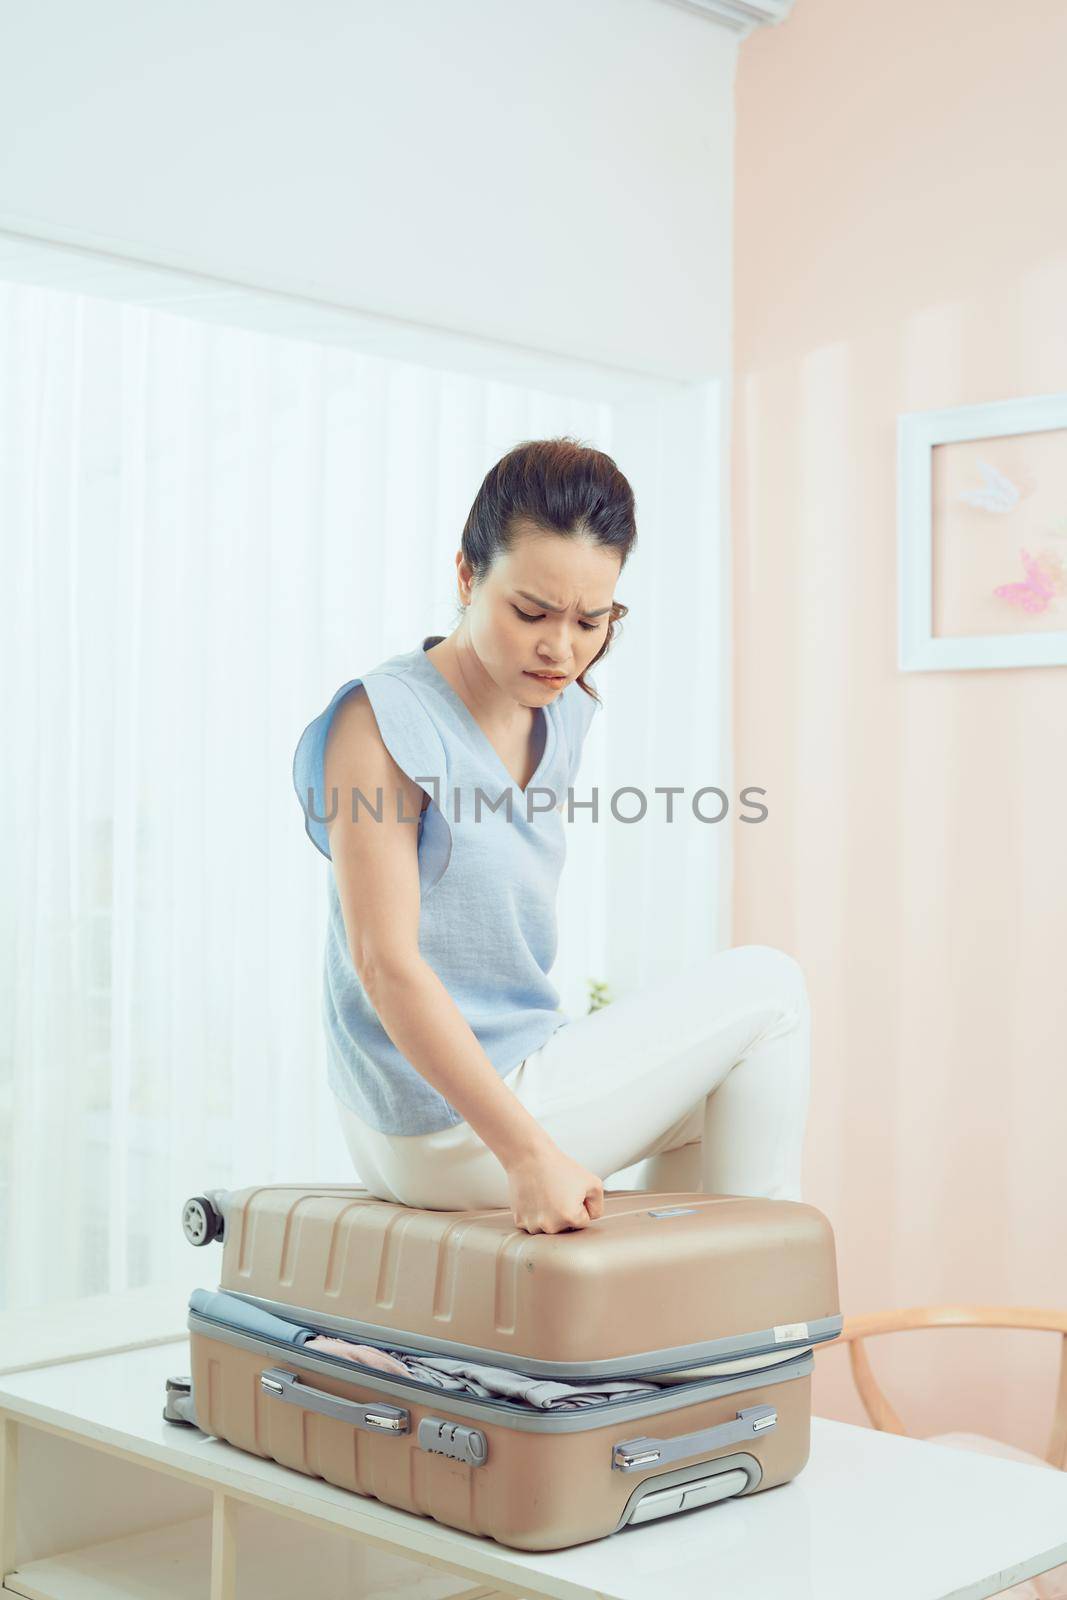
(919, 649)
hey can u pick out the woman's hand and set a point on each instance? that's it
(550, 1193)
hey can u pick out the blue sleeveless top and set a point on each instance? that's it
(487, 920)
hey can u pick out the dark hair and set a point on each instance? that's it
(561, 486)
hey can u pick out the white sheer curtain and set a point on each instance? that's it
(203, 531)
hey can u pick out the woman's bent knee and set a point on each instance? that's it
(783, 972)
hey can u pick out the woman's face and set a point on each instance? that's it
(542, 608)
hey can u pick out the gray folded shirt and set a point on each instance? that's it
(472, 1377)
(444, 1372)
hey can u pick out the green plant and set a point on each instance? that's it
(598, 995)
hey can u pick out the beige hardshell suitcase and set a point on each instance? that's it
(733, 1291)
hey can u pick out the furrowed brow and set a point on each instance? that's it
(546, 607)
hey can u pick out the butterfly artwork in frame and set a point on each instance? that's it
(1044, 579)
(982, 535)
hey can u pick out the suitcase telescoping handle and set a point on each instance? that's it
(282, 1385)
(633, 1454)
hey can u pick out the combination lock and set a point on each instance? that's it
(453, 1439)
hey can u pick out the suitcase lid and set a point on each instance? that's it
(660, 1281)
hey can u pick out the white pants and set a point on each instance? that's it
(703, 1077)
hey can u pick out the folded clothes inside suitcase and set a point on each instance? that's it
(442, 1372)
(557, 1387)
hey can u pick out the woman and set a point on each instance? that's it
(460, 1083)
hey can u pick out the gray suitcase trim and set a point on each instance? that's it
(785, 1337)
(280, 1384)
(667, 1493)
(439, 1438)
(633, 1455)
(506, 1412)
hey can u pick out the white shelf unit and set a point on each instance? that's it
(278, 1560)
(101, 1498)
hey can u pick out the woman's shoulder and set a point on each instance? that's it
(385, 697)
(358, 742)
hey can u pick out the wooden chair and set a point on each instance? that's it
(1050, 1585)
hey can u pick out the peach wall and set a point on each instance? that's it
(901, 244)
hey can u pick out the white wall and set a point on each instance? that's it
(554, 174)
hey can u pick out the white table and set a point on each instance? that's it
(111, 1498)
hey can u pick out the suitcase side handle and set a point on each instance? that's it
(633, 1454)
(282, 1385)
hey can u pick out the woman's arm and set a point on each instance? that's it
(376, 868)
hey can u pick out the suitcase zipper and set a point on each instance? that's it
(791, 1339)
(357, 1368)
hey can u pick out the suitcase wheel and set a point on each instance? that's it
(201, 1221)
(178, 1406)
